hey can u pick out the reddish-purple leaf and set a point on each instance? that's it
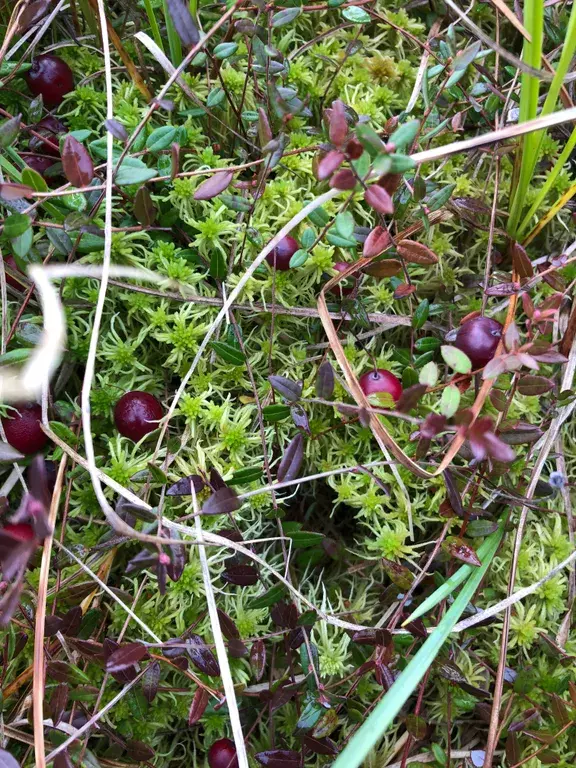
(284, 614)
(32, 13)
(291, 461)
(264, 131)
(371, 637)
(281, 696)
(377, 242)
(503, 289)
(379, 199)
(291, 390)
(384, 268)
(198, 706)
(279, 758)
(325, 381)
(300, 418)
(182, 487)
(241, 575)
(138, 751)
(328, 164)
(183, 22)
(384, 675)
(343, 179)
(76, 162)
(416, 727)
(150, 681)
(229, 629)
(12, 191)
(71, 621)
(144, 209)
(410, 397)
(453, 493)
(125, 656)
(116, 129)
(20, 644)
(521, 262)
(178, 558)
(416, 253)
(52, 625)
(534, 385)
(63, 760)
(58, 702)
(58, 670)
(338, 125)
(404, 290)
(323, 746)
(174, 160)
(202, 657)
(222, 502)
(457, 548)
(521, 434)
(237, 649)
(398, 574)
(258, 659)
(89, 649)
(215, 185)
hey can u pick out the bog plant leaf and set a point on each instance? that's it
(455, 359)
(77, 163)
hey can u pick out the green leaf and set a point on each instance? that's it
(9, 129)
(299, 258)
(161, 138)
(224, 50)
(449, 401)
(384, 714)
(455, 359)
(308, 238)
(401, 163)
(427, 344)
(216, 98)
(310, 715)
(21, 245)
(275, 412)
(217, 265)
(60, 240)
(228, 353)
(33, 179)
(286, 16)
(370, 140)
(440, 197)
(133, 171)
(344, 224)
(246, 475)
(421, 314)
(356, 15)
(341, 242)
(319, 217)
(236, 203)
(16, 224)
(405, 134)
(15, 356)
(270, 597)
(428, 375)
(303, 539)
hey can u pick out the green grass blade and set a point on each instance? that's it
(173, 39)
(154, 24)
(532, 55)
(382, 717)
(456, 579)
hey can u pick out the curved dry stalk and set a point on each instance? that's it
(39, 660)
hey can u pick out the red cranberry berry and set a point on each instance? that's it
(51, 78)
(344, 287)
(51, 128)
(10, 262)
(136, 414)
(381, 381)
(22, 428)
(280, 256)
(479, 338)
(222, 754)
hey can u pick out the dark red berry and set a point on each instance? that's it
(479, 338)
(39, 163)
(381, 381)
(10, 262)
(344, 287)
(280, 256)
(51, 78)
(51, 128)
(222, 754)
(136, 414)
(22, 428)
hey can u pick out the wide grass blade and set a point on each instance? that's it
(382, 717)
(456, 579)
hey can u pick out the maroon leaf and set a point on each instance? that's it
(175, 160)
(264, 131)
(125, 656)
(410, 397)
(377, 242)
(52, 625)
(178, 558)
(89, 649)
(229, 629)
(58, 702)
(183, 22)
(534, 385)
(198, 706)
(12, 191)
(383, 674)
(150, 681)
(202, 657)
(241, 575)
(325, 381)
(291, 461)
(258, 659)
(144, 209)
(457, 548)
(338, 125)
(32, 13)
(77, 163)
(521, 262)
(323, 746)
(453, 493)
(237, 649)
(284, 614)
(503, 289)
(328, 164)
(138, 751)
(281, 696)
(63, 760)
(291, 390)
(116, 129)
(343, 179)
(7, 761)
(398, 574)
(182, 487)
(416, 727)
(404, 290)
(222, 502)
(379, 199)
(71, 621)
(58, 670)
(216, 184)
(371, 637)
(300, 418)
